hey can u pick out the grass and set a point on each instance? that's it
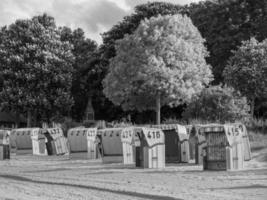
(258, 141)
(256, 125)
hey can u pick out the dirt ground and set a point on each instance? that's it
(31, 177)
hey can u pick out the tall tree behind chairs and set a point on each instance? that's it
(161, 63)
(36, 67)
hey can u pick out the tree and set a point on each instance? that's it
(36, 67)
(129, 23)
(161, 63)
(89, 71)
(85, 69)
(106, 109)
(217, 104)
(247, 70)
(225, 24)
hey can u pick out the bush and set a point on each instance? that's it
(174, 121)
(89, 123)
(68, 124)
(256, 125)
(217, 104)
(118, 124)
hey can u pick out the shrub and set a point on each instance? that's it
(256, 125)
(68, 124)
(217, 104)
(174, 121)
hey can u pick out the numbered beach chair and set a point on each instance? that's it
(56, 142)
(22, 140)
(197, 142)
(83, 143)
(151, 152)
(117, 146)
(38, 142)
(224, 148)
(77, 138)
(4, 144)
(245, 141)
(176, 142)
(92, 143)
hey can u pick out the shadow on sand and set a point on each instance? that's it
(255, 186)
(120, 192)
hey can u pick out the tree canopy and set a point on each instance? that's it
(162, 61)
(129, 24)
(247, 70)
(217, 104)
(225, 24)
(85, 69)
(36, 67)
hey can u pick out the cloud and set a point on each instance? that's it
(93, 16)
(133, 3)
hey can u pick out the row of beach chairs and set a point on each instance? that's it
(215, 146)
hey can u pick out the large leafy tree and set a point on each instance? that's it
(86, 69)
(88, 73)
(217, 104)
(107, 50)
(225, 24)
(161, 63)
(247, 70)
(36, 67)
(129, 24)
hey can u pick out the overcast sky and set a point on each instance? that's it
(93, 16)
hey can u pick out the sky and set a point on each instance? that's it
(93, 16)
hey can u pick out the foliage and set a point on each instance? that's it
(247, 70)
(86, 69)
(119, 124)
(106, 109)
(165, 57)
(256, 125)
(36, 67)
(174, 121)
(260, 109)
(89, 123)
(225, 24)
(67, 123)
(217, 104)
(129, 24)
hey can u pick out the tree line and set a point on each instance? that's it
(49, 72)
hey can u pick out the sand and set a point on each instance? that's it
(58, 177)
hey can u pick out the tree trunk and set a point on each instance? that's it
(252, 107)
(17, 119)
(158, 110)
(29, 118)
